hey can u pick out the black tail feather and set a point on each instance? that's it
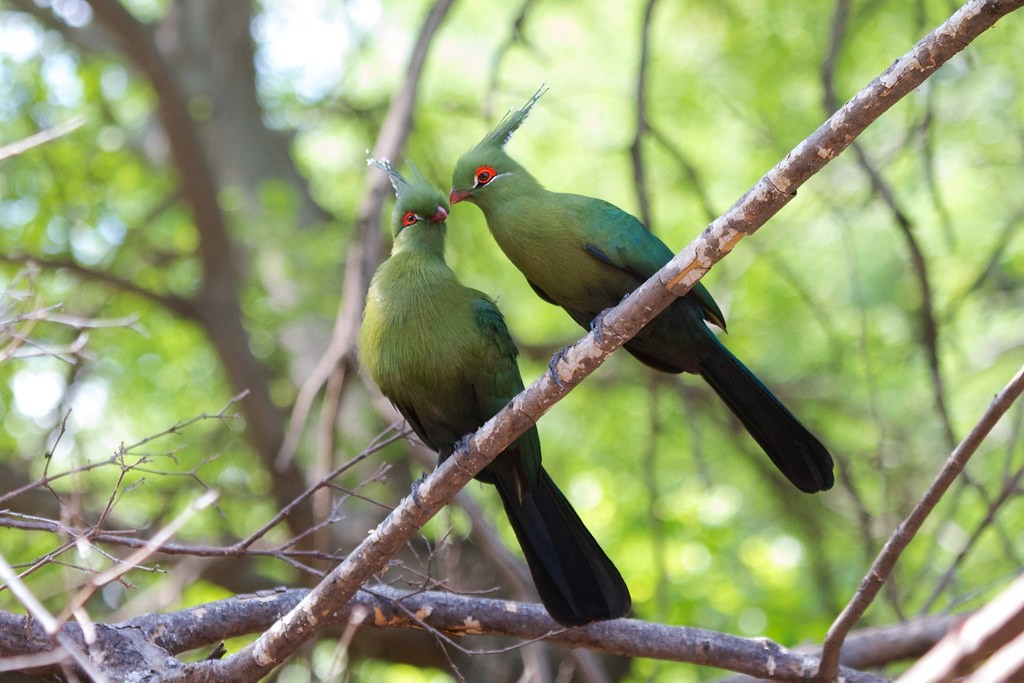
(795, 451)
(576, 581)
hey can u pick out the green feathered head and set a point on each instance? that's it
(487, 162)
(418, 200)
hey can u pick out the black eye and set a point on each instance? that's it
(484, 175)
(409, 218)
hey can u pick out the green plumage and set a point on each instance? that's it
(442, 354)
(585, 255)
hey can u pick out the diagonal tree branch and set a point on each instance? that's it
(1009, 491)
(996, 626)
(884, 564)
(764, 200)
(17, 147)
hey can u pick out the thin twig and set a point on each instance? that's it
(1010, 489)
(883, 565)
(41, 138)
(142, 553)
(382, 440)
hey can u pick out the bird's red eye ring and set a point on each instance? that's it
(484, 175)
(409, 218)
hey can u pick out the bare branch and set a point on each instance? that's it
(875, 647)
(451, 616)
(41, 138)
(883, 565)
(95, 535)
(992, 627)
(1009, 490)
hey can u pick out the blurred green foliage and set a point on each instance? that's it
(824, 303)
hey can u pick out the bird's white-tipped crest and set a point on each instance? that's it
(397, 181)
(508, 125)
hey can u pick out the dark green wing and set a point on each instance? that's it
(496, 353)
(619, 239)
(497, 380)
(541, 293)
(409, 413)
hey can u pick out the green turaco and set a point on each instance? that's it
(443, 356)
(585, 255)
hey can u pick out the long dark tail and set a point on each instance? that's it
(576, 581)
(793, 449)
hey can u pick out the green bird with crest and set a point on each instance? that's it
(585, 254)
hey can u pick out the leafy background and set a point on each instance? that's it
(826, 303)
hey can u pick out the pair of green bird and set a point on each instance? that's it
(442, 354)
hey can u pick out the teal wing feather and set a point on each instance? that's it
(498, 381)
(496, 355)
(408, 411)
(619, 239)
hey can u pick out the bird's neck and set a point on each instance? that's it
(421, 239)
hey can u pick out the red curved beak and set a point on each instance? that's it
(456, 196)
(439, 216)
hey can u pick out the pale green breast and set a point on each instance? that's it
(417, 328)
(546, 240)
